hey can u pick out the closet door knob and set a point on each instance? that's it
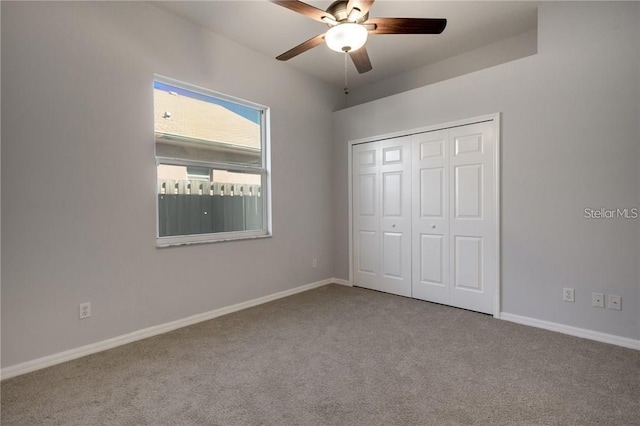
(433, 227)
(393, 226)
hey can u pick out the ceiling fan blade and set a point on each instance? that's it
(305, 9)
(301, 48)
(362, 5)
(407, 25)
(361, 60)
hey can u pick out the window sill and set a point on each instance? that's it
(163, 243)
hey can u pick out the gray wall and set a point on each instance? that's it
(78, 175)
(570, 140)
(502, 51)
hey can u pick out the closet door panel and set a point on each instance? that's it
(432, 253)
(430, 211)
(395, 219)
(382, 215)
(367, 194)
(392, 194)
(468, 191)
(367, 259)
(432, 188)
(468, 263)
(366, 233)
(472, 227)
(392, 255)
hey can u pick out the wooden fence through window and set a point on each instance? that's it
(188, 207)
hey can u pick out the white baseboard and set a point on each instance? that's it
(573, 331)
(47, 361)
(342, 282)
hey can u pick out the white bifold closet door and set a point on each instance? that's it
(382, 215)
(424, 216)
(453, 222)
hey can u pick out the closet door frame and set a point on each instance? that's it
(496, 188)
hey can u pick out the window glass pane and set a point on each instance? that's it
(201, 200)
(194, 126)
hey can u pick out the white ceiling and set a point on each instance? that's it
(271, 30)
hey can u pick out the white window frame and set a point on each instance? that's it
(264, 171)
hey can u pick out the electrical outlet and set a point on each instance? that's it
(85, 310)
(568, 295)
(314, 263)
(615, 302)
(597, 300)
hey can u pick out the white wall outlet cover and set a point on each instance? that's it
(614, 302)
(597, 300)
(84, 310)
(568, 294)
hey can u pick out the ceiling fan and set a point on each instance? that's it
(349, 26)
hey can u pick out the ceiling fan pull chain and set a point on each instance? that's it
(346, 86)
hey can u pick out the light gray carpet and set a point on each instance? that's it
(335, 356)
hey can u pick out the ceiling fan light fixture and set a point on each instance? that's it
(346, 37)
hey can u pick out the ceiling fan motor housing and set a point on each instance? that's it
(339, 11)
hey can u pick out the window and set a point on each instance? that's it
(212, 165)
